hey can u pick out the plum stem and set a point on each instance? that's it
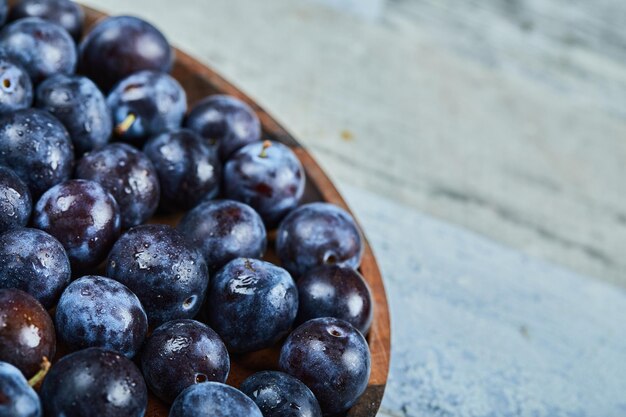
(123, 127)
(266, 144)
(35, 381)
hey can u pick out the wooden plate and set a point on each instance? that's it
(199, 81)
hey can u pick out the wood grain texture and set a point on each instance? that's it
(199, 81)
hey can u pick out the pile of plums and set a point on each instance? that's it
(98, 303)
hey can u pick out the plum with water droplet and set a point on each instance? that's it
(34, 261)
(156, 263)
(251, 304)
(94, 382)
(318, 234)
(128, 175)
(332, 358)
(100, 312)
(37, 147)
(27, 336)
(181, 353)
(84, 217)
(15, 201)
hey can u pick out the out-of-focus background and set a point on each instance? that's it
(482, 144)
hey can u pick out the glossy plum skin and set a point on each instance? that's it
(251, 304)
(318, 234)
(27, 335)
(36, 146)
(181, 353)
(17, 398)
(83, 216)
(80, 106)
(226, 121)
(128, 175)
(224, 230)
(16, 89)
(100, 312)
(15, 201)
(155, 101)
(64, 13)
(41, 47)
(168, 276)
(280, 395)
(332, 358)
(33, 261)
(213, 399)
(189, 169)
(335, 291)
(94, 382)
(267, 176)
(121, 45)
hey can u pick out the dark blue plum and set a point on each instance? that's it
(41, 47)
(224, 230)
(225, 121)
(280, 395)
(335, 291)
(128, 175)
(267, 176)
(94, 382)
(122, 45)
(35, 262)
(80, 106)
(213, 399)
(84, 217)
(145, 104)
(35, 145)
(15, 202)
(17, 398)
(169, 277)
(189, 169)
(64, 13)
(100, 312)
(16, 89)
(318, 234)
(251, 304)
(181, 353)
(332, 358)
(27, 337)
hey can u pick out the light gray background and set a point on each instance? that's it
(504, 117)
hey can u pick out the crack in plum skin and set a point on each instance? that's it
(268, 177)
(84, 217)
(36, 146)
(35, 262)
(17, 398)
(159, 266)
(94, 381)
(80, 106)
(100, 312)
(27, 334)
(332, 358)
(318, 234)
(181, 353)
(280, 395)
(120, 46)
(64, 13)
(41, 47)
(251, 304)
(226, 122)
(213, 399)
(224, 230)
(128, 175)
(188, 167)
